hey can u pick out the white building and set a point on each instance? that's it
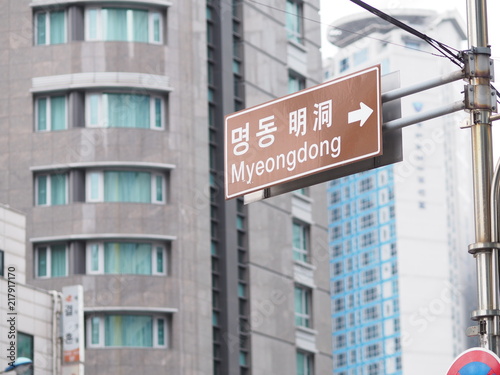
(29, 316)
(401, 275)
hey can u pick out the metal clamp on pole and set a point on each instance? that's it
(479, 96)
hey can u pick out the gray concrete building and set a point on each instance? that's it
(112, 138)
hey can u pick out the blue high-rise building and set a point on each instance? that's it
(364, 277)
(401, 277)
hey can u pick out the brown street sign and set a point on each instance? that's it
(319, 128)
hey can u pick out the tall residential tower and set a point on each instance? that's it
(111, 123)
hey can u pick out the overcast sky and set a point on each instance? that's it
(332, 10)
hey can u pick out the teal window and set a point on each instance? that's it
(125, 186)
(243, 359)
(51, 260)
(95, 258)
(242, 290)
(51, 189)
(122, 24)
(302, 306)
(160, 260)
(123, 110)
(295, 83)
(51, 113)
(50, 27)
(2, 262)
(300, 241)
(95, 330)
(25, 346)
(133, 258)
(304, 363)
(294, 25)
(161, 340)
(127, 258)
(127, 330)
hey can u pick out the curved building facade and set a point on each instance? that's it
(112, 142)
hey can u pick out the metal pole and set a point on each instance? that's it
(482, 164)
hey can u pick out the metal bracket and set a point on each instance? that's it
(479, 314)
(476, 95)
(481, 247)
(477, 63)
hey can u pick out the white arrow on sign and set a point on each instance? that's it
(360, 114)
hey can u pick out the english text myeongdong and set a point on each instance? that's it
(289, 161)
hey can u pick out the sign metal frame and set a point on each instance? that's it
(350, 123)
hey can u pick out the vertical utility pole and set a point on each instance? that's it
(479, 101)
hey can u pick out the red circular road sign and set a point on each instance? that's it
(476, 361)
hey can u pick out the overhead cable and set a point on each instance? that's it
(445, 50)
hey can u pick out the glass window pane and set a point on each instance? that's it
(92, 23)
(94, 257)
(242, 290)
(300, 363)
(42, 261)
(161, 332)
(115, 24)
(1, 263)
(156, 27)
(293, 21)
(243, 359)
(24, 345)
(94, 186)
(127, 258)
(140, 25)
(58, 112)
(41, 37)
(93, 110)
(58, 189)
(128, 111)
(57, 27)
(298, 306)
(128, 330)
(95, 323)
(159, 260)
(42, 190)
(42, 114)
(127, 186)
(159, 188)
(58, 260)
(158, 116)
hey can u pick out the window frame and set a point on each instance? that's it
(297, 80)
(2, 263)
(48, 265)
(100, 21)
(48, 197)
(295, 35)
(31, 339)
(101, 329)
(304, 317)
(100, 188)
(302, 254)
(308, 362)
(48, 27)
(48, 119)
(102, 110)
(155, 246)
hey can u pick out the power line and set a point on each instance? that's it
(345, 30)
(455, 58)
